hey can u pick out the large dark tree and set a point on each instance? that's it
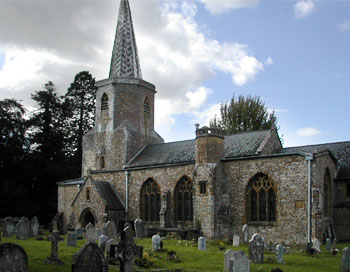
(244, 114)
(80, 100)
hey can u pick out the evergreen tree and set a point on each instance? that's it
(244, 114)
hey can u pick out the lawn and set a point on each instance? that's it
(188, 257)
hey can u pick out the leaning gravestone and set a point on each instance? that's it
(90, 233)
(90, 259)
(139, 228)
(34, 226)
(202, 243)
(328, 244)
(239, 262)
(235, 240)
(102, 242)
(279, 253)
(22, 229)
(345, 261)
(228, 255)
(245, 231)
(156, 242)
(79, 233)
(256, 249)
(13, 258)
(71, 239)
(317, 245)
(8, 226)
(110, 229)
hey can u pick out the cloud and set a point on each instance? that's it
(304, 8)
(203, 117)
(269, 61)
(345, 26)
(221, 6)
(308, 132)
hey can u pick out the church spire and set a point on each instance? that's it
(125, 60)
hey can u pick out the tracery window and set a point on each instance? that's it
(183, 200)
(261, 199)
(150, 201)
(104, 102)
(146, 106)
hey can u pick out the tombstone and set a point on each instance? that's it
(279, 253)
(13, 258)
(345, 261)
(245, 231)
(90, 259)
(79, 233)
(139, 228)
(328, 244)
(202, 243)
(102, 242)
(71, 220)
(309, 248)
(90, 233)
(22, 229)
(34, 226)
(110, 257)
(8, 227)
(239, 262)
(256, 249)
(71, 239)
(317, 245)
(55, 238)
(127, 250)
(110, 229)
(99, 232)
(228, 255)
(156, 242)
(58, 223)
(235, 240)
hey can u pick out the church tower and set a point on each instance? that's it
(124, 117)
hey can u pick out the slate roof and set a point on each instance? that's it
(109, 195)
(237, 145)
(78, 181)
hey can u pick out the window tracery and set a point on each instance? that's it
(150, 201)
(183, 200)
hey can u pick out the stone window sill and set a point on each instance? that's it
(263, 224)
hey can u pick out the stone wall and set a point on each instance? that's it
(66, 195)
(341, 210)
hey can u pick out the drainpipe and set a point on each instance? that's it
(309, 158)
(126, 193)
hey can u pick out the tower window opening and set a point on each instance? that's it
(104, 102)
(146, 106)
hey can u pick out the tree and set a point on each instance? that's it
(80, 100)
(244, 114)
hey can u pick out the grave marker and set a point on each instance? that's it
(202, 243)
(245, 231)
(345, 261)
(239, 262)
(90, 233)
(228, 255)
(317, 245)
(55, 238)
(328, 244)
(102, 242)
(71, 239)
(139, 228)
(235, 240)
(90, 259)
(34, 226)
(256, 249)
(8, 227)
(110, 229)
(79, 233)
(22, 229)
(279, 253)
(156, 242)
(13, 258)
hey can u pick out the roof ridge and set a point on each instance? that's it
(248, 132)
(332, 143)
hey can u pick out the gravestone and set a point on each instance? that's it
(102, 242)
(239, 262)
(279, 253)
(245, 231)
(34, 226)
(256, 249)
(22, 229)
(79, 233)
(71, 239)
(156, 242)
(13, 258)
(110, 229)
(235, 240)
(109, 243)
(58, 222)
(227, 257)
(345, 261)
(55, 238)
(90, 233)
(202, 243)
(8, 226)
(317, 245)
(90, 259)
(139, 228)
(328, 244)
(99, 232)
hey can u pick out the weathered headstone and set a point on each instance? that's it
(110, 229)
(202, 243)
(156, 242)
(55, 238)
(8, 226)
(328, 244)
(139, 228)
(90, 233)
(245, 231)
(345, 261)
(256, 249)
(239, 262)
(34, 226)
(235, 240)
(317, 245)
(108, 245)
(79, 233)
(71, 239)
(228, 255)
(90, 259)
(279, 253)
(22, 229)
(102, 242)
(13, 258)
(99, 232)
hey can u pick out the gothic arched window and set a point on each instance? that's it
(146, 106)
(150, 201)
(183, 200)
(327, 194)
(261, 199)
(104, 102)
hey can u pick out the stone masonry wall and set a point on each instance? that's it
(66, 195)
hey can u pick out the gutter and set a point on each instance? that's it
(126, 193)
(309, 158)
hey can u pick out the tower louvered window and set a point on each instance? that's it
(146, 106)
(183, 200)
(261, 199)
(150, 201)
(104, 102)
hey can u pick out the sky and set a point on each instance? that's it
(294, 55)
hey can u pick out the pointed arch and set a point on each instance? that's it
(150, 201)
(87, 216)
(146, 105)
(327, 194)
(104, 102)
(183, 200)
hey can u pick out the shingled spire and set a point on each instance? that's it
(125, 60)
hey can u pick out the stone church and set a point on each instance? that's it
(214, 183)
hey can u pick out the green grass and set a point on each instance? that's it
(189, 257)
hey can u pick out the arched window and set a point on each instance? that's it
(261, 199)
(183, 200)
(104, 102)
(150, 201)
(327, 194)
(146, 106)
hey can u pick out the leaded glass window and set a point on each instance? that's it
(183, 200)
(150, 201)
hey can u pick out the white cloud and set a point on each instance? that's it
(308, 132)
(269, 61)
(203, 117)
(304, 8)
(345, 26)
(220, 6)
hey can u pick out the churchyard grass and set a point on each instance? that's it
(189, 257)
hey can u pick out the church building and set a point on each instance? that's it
(215, 183)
